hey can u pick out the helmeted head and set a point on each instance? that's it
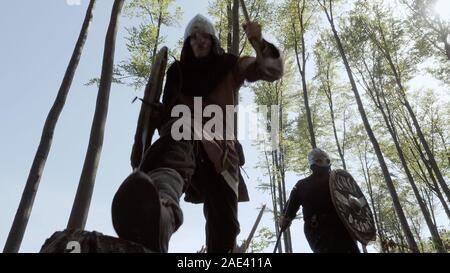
(200, 36)
(319, 160)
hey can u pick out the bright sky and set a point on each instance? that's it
(38, 38)
(442, 7)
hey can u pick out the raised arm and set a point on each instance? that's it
(267, 65)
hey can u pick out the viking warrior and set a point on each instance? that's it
(324, 230)
(146, 207)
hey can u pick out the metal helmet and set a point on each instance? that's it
(319, 158)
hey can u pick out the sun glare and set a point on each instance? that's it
(442, 8)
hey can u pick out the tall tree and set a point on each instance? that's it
(328, 8)
(326, 58)
(296, 19)
(421, 170)
(26, 203)
(144, 39)
(225, 13)
(432, 32)
(80, 209)
(375, 83)
(277, 159)
(417, 160)
(234, 49)
(386, 33)
(362, 147)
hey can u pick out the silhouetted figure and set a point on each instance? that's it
(323, 228)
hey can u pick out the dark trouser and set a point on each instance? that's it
(220, 208)
(329, 236)
(220, 202)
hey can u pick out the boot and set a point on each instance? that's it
(170, 187)
(145, 209)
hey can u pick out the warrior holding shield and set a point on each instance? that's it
(335, 212)
(146, 207)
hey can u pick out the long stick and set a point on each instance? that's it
(278, 241)
(252, 232)
(254, 43)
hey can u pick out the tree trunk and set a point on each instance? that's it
(447, 47)
(429, 199)
(26, 203)
(333, 121)
(302, 69)
(378, 96)
(235, 51)
(427, 166)
(236, 28)
(395, 199)
(423, 141)
(279, 189)
(366, 174)
(383, 237)
(447, 151)
(282, 199)
(230, 27)
(433, 229)
(274, 199)
(417, 232)
(435, 187)
(80, 209)
(282, 171)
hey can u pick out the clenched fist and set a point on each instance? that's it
(253, 31)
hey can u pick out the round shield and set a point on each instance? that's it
(352, 207)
